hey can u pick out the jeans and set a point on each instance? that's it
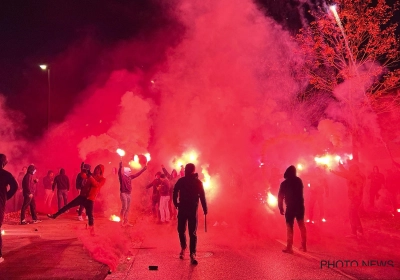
(164, 211)
(48, 197)
(28, 201)
(190, 218)
(62, 195)
(126, 203)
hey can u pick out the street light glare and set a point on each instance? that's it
(43, 66)
(332, 8)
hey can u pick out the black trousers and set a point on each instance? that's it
(189, 219)
(78, 201)
(29, 201)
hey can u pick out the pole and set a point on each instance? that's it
(205, 223)
(48, 99)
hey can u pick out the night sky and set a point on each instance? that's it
(76, 38)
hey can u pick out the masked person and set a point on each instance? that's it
(88, 194)
(125, 182)
(61, 181)
(6, 179)
(291, 191)
(189, 189)
(28, 190)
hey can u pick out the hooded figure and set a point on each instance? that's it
(6, 179)
(125, 186)
(28, 190)
(61, 181)
(291, 192)
(190, 190)
(88, 194)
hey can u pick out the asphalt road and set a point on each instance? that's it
(226, 253)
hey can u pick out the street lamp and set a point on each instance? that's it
(45, 67)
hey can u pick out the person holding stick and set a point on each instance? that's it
(189, 189)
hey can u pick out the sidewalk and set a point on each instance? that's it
(52, 249)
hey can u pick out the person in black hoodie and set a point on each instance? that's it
(189, 189)
(125, 182)
(28, 191)
(6, 179)
(61, 181)
(291, 191)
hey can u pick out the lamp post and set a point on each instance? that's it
(45, 67)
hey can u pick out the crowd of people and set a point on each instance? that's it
(177, 195)
(165, 199)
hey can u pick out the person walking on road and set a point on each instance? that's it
(6, 179)
(291, 191)
(28, 190)
(189, 189)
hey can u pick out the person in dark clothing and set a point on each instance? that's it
(189, 189)
(125, 182)
(88, 194)
(6, 179)
(377, 181)
(355, 186)
(61, 181)
(79, 183)
(155, 197)
(28, 190)
(48, 188)
(291, 191)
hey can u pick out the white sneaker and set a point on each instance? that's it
(1, 259)
(215, 224)
(80, 218)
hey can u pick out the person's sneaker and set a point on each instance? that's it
(128, 225)
(216, 224)
(51, 216)
(80, 218)
(303, 248)
(182, 254)
(1, 259)
(36, 221)
(193, 259)
(24, 222)
(288, 250)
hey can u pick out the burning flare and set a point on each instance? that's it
(135, 164)
(120, 152)
(115, 218)
(272, 200)
(147, 155)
